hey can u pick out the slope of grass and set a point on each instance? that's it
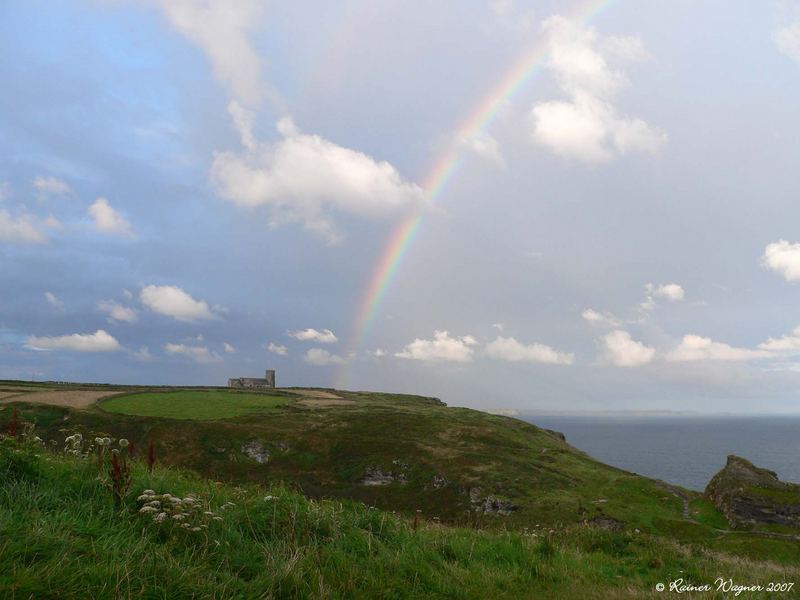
(448, 463)
(197, 405)
(62, 537)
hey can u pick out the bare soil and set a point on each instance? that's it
(71, 398)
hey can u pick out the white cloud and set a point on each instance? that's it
(696, 348)
(127, 293)
(598, 318)
(788, 343)
(172, 301)
(378, 353)
(221, 30)
(668, 291)
(19, 230)
(228, 348)
(142, 355)
(47, 185)
(277, 349)
(783, 258)
(441, 347)
(587, 126)
(788, 41)
(117, 312)
(54, 300)
(326, 336)
(108, 220)
(99, 341)
(623, 351)
(671, 291)
(321, 357)
(484, 145)
(511, 350)
(199, 354)
(302, 177)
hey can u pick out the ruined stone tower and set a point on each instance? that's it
(252, 382)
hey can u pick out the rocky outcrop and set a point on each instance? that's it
(749, 495)
(256, 451)
(377, 476)
(490, 505)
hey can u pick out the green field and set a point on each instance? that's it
(64, 538)
(195, 405)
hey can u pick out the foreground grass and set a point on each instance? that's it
(61, 536)
(197, 405)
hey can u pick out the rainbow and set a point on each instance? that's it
(439, 175)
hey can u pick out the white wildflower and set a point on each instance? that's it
(149, 492)
(144, 497)
(160, 517)
(154, 504)
(147, 509)
(179, 516)
(123, 443)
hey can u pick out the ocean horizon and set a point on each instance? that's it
(685, 450)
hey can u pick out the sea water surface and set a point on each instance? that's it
(687, 451)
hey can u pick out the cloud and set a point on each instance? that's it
(587, 127)
(99, 341)
(786, 344)
(326, 336)
(172, 301)
(378, 353)
(199, 354)
(788, 41)
(19, 230)
(668, 291)
(511, 350)
(277, 349)
(221, 30)
(303, 177)
(321, 357)
(228, 348)
(117, 312)
(54, 300)
(623, 351)
(484, 145)
(5, 190)
(441, 348)
(142, 355)
(506, 15)
(51, 186)
(592, 316)
(783, 258)
(697, 348)
(108, 220)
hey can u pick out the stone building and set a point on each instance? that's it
(251, 382)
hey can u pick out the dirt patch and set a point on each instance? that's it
(325, 402)
(8, 394)
(316, 394)
(72, 398)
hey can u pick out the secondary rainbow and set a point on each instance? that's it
(441, 172)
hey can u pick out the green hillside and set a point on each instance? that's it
(63, 537)
(403, 458)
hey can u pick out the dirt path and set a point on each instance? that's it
(70, 398)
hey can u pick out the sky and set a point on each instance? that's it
(537, 206)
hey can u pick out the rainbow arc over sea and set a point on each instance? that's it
(442, 171)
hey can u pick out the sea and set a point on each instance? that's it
(683, 450)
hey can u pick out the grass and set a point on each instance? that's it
(196, 405)
(61, 537)
(325, 452)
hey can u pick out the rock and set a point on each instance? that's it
(255, 450)
(747, 495)
(439, 481)
(557, 434)
(377, 476)
(608, 523)
(490, 505)
(282, 447)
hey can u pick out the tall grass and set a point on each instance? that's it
(62, 536)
